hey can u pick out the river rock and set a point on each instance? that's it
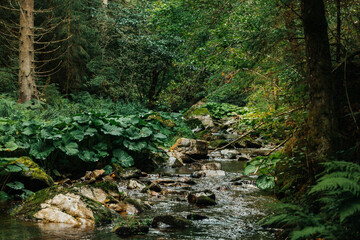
(130, 228)
(171, 221)
(229, 153)
(253, 144)
(130, 173)
(243, 157)
(194, 216)
(198, 174)
(137, 203)
(217, 143)
(95, 194)
(208, 173)
(198, 111)
(206, 166)
(202, 198)
(155, 187)
(175, 162)
(134, 184)
(78, 205)
(96, 174)
(31, 174)
(189, 149)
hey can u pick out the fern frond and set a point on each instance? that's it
(308, 232)
(341, 166)
(342, 174)
(331, 184)
(350, 209)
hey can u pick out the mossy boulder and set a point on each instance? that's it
(131, 227)
(67, 205)
(200, 112)
(32, 175)
(194, 123)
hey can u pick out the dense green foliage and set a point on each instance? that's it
(330, 210)
(107, 77)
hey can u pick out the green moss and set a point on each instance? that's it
(107, 186)
(130, 226)
(169, 123)
(203, 135)
(196, 112)
(34, 172)
(32, 205)
(102, 215)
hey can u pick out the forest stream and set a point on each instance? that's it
(240, 204)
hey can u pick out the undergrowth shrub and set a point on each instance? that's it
(70, 134)
(329, 210)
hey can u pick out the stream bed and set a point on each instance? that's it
(239, 206)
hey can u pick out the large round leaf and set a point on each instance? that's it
(265, 182)
(13, 168)
(16, 185)
(112, 130)
(135, 146)
(249, 169)
(121, 157)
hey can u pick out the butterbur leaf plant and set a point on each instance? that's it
(89, 137)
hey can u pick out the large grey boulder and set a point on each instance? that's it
(188, 150)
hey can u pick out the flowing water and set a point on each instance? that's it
(235, 216)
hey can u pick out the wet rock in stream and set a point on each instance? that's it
(205, 166)
(188, 150)
(130, 228)
(194, 216)
(202, 198)
(152, 187)
(208, 173)
(134, 184)
(171, 221)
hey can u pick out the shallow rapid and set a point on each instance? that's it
(239, 206)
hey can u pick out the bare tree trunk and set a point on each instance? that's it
(321, 114)
(27, 86)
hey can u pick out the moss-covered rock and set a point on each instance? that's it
(65, 205)
(198, 111)
(130, 227)
(32, 175)
(194, 123)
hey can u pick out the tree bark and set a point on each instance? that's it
(321, 113)
(27, 86)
